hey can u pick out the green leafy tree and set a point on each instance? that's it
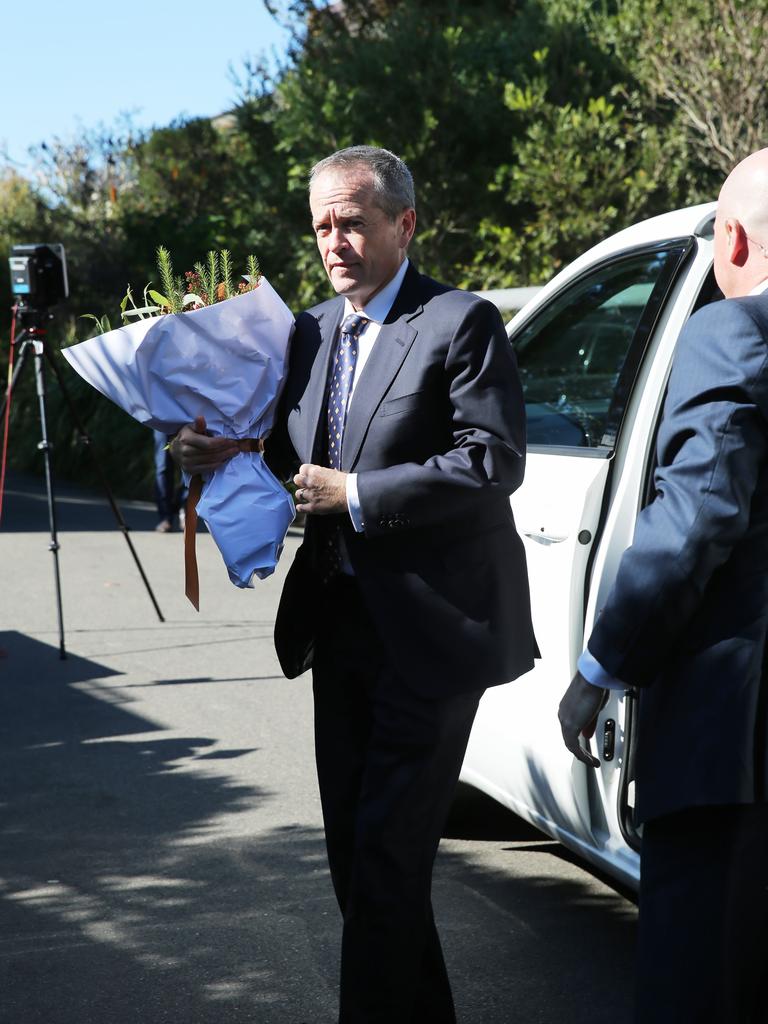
(593, 151)
(80, 184)
(528, 134)
(21, 215)
(705, 63)
(579, 171)
(533, 129)
(425, 80)
(180, 194)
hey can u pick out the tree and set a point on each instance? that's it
(79, 185)
(533, 129)
(425, 80)
(707, 61)
(520, 122)
(21, 212)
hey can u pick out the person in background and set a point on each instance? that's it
(169, 496)
(686, 624)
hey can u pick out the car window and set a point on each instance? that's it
(576, 354)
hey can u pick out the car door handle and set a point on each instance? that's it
(544, 538)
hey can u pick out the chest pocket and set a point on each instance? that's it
(396, 406)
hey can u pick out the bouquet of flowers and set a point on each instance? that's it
(204, 347)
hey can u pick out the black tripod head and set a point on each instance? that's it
(33, 321)
(39, 275)
(38, 281)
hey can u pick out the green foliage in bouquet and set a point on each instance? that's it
(122, 447)
(173, 290)
(208, 283)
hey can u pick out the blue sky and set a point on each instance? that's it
(82, 62)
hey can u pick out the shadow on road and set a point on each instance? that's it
(118, 901)
(123, 899)
(531, 944)
(25, 508)
(474, 815)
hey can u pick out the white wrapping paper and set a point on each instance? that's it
(225, 362)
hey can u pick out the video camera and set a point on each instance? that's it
(39, 275)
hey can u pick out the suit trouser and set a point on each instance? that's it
(703, 932)
(388, 761)
(169, 497)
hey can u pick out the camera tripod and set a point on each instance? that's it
(33, 340)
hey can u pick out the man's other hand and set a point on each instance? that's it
(320, 491)
(578, 713)
(195, 452)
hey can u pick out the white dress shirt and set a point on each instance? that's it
(376, 310)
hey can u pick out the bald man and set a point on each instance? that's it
(686, 624)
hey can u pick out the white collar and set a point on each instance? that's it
(760, 288)
(377, 309)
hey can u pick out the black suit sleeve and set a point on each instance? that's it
(279, 453)
(713, 446)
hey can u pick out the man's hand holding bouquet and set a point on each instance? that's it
(209, 352)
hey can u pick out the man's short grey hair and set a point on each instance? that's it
(392, 181)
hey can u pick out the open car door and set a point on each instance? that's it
(579, 356)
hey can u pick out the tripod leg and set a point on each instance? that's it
(123, 526)
(23, 349)
(45, 447)
(5, 426)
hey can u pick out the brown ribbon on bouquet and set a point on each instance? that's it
(191, 577)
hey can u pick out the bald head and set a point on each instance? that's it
(741, 227)
(744, 196)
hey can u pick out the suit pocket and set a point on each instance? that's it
(472, 552)
(396, 406)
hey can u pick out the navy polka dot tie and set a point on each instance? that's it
(341, 384)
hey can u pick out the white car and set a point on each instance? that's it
(595, 348)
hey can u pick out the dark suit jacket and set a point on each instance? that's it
(436, 433)
(688, 616)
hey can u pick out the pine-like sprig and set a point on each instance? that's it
(202, 289)
(254, 272)
(212, 279)
(226, 273)
(209, 283)
(173, 288)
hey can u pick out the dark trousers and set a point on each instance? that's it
(703, 932)
(169, 497)
(387, 761)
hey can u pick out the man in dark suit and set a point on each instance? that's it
(686, 623)
(403, 421)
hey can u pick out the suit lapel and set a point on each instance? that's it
(314, 399)
(395, 338)
(389, 351)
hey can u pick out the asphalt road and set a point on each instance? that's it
(161, 852)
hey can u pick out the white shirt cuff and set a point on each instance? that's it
(594, 673)
(353, 503)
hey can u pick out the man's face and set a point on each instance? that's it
(360, 246)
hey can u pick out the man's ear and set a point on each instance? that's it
(407, 227)
(738, 243)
